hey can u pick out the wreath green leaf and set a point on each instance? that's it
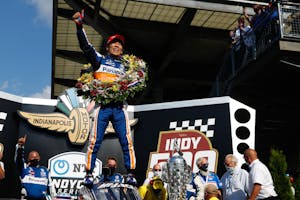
(118, 91)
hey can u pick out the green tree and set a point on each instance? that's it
(278, 168)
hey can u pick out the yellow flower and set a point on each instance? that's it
(85, 66)
(86, 78)
(115, 88)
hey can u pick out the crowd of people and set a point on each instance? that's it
(235, 184)
(253, 32)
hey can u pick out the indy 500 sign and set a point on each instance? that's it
(192, 143)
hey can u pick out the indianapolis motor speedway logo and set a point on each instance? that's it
(75, 118)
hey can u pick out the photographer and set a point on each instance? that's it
(109, 172)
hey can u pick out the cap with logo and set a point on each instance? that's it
(116, 37)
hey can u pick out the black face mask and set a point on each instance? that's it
(204, 167)
(112, 170)
(34, 162)
(156, 190)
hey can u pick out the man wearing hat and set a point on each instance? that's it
(106, 68)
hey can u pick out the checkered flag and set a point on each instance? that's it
(198, 124)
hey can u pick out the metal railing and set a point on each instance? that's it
(289, 17)
(267, 32)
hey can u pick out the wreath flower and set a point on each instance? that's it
(136, 75)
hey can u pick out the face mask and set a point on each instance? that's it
(204, 167)
(229, 169)
(112, 170)
(156, 190)
(34, 162)
(203, 173)
(157, 173)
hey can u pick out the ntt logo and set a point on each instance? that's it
(67, 171)
(71, 165)
(61, 167)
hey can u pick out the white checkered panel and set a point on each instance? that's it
(3, 116)
(197, 124)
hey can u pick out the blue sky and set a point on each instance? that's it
(26, 47)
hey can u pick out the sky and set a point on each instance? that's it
(26, 47)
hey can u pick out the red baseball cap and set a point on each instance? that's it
(116, 37)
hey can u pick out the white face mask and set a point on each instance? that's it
(229, 169)
(157, 173)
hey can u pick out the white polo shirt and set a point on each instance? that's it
(259, 173)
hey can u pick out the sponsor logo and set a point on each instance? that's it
(75, 119)
(77, 124)
(111, 70)
(67, 171)
(192, 143)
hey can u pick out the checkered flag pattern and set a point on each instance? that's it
(198, 124)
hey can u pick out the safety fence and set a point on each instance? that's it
(289, 16)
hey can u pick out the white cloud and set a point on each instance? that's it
(11, 86)
(45, 94)
(44, 10)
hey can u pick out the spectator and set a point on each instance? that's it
(154, 190)
(156, 171)
(260, 179)
(257, 18)
(234, 180)
(211, 192)
(291, 179)
(244, 36)
(291, 24)
(34, 177)
(2, 170)
(201, 179)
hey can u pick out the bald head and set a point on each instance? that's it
(34, 158)
(156, 167)
(250, 155)
(34, 155)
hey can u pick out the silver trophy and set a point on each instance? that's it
(177, 174)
